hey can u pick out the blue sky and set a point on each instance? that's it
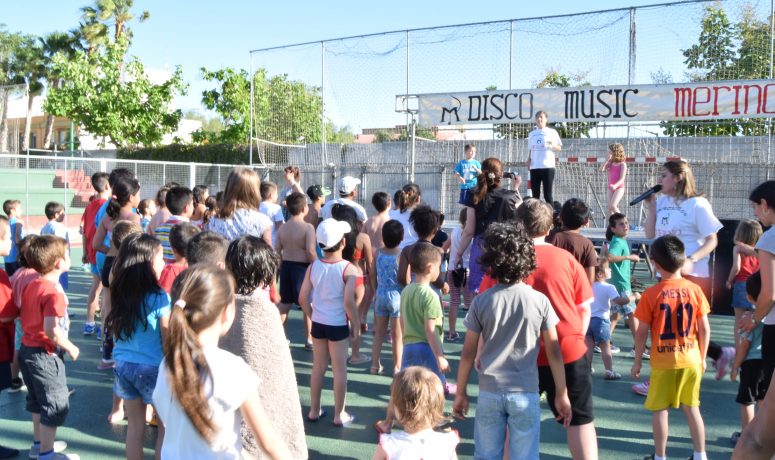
(196, 33)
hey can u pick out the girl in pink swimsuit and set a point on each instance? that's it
(617, 173)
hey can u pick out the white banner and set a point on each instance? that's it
(690, 101)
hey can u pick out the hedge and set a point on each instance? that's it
(207, 153)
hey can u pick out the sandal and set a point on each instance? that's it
(354, 360)
(346, 421)
(376, 370)
(321, 414)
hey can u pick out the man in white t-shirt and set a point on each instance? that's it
(543, 142)
(348, 190)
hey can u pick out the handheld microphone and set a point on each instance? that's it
(646, 194)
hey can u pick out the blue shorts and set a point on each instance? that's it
(94, 269)
(135, 381)
(739, 296)
(599, 329)
(624, 310)
(420, 354)
(64, 280)
(387, 303)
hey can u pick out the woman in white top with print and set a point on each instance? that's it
(238, 213)
(543, 143)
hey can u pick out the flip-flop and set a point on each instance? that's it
(345, 422)
(313, 420)
(356, 362)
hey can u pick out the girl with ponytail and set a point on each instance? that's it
(203, 392)
(409, 197)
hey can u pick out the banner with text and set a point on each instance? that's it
(689, 101)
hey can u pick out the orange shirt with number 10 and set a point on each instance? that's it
(673, 308)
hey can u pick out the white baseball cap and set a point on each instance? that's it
(331, 231)
(347, 184)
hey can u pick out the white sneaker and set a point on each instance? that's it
(615, 349)
(642, 388)
(646, 354)
(596, 349)
(723, 362)
(59, 446)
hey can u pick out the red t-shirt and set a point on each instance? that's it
(42, 299)
(748, 266)
(8, 309)
(168, 275)
(564, 281)
(90, 228)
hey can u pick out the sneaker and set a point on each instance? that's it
(17, 385)
(646, 354)
(596, 349)
(649, 457)
(642, 388)
(723, 362)
(89, 329)
(612, 375)
(59, 446)
(615, 349)
(735, 436)
(106, 364)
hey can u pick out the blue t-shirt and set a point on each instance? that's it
(755, 337)
(145, 347)
(14, 254)
(468, 171)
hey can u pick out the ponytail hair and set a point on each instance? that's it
(200, 294)
(489, 179)
(123, 190)
(409, 196)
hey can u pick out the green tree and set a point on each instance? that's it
(96, 21)
(129, 110)
(726, 51)
(53, 44)
(27, 65)
(9, 44)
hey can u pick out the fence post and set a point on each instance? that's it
(103, 165)
(192, 175)
(443, 191)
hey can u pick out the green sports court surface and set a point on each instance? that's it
(623, 425)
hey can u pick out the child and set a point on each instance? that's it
(138, 319)
(317, 196)
(212, 209)
(146, 209)
(203, 414)
(466, 172)
(418, 404)
(45, 307)
(425, 223)
(23, 276)
(180, 203)
(13, 209)
(748, 362)
(101, 185)
(180, 235)
(162, 213)
(457, 277)
(201, 194)
(676, 312)
(8, 311)
(207, 247)
(296, 245)
(387, 302)
(510, 319)
(599, 332)
(620, 257)
(270, 208)
(574, 215)
(373, 225)
(328, 296)
(55, 213)
(748, 233)
(257, 336)
(617, 173)
(562, 279)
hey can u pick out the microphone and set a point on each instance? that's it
(646, 194)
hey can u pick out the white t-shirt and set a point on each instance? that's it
(604, 294)
(242, 222)
(325, 212)
(275, 213)
(457, 235)
(410, 236)
(232, 381)
(767, 244)
(423, 444)
(692, 221)
(540, 155)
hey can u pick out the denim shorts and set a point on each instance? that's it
(599, 329)
(387, 304)
(135, 381)
(739, 296)
(421, 354)
(18, 334)
(495, 412)
(624, 310)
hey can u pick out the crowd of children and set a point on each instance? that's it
(196, 292)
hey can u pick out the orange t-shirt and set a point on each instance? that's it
(42, 299)
(673, 308)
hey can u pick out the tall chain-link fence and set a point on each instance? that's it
(353, 125)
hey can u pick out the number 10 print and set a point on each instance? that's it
(683, 313)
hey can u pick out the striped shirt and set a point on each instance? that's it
(162, 232)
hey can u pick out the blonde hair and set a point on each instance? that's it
(617, 152)
(600, 268)
(242, 191)
(536, 215)
(418, 399)
(685, 187)
(748, 231)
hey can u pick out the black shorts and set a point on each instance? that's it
(330, 333)
(578, 380)
(47, 394)
(291, 278)
(751, 387)
(768, 354)
(105, 275)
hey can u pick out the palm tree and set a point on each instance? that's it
(28, 65)
(53, 44)
(97, 19)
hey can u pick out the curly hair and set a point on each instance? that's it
(253, 263)
(508, 251)
(617, 152)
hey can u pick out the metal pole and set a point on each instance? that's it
(323, 112)
(511, 85)
(631, 64)
(406, 119)
(414, 139)
(250, 139)
(72, 136)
